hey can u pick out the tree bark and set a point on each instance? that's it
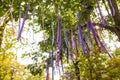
(116, 17)
(116, 28)
(113, 29)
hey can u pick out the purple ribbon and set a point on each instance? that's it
(59, 35)
(73, 40)
(65, 37)
(94, 34)
(106, 7)
(12, 18)
(57, 58)
(66, 41)
(113, 10)
(102, 19)
(89, 29)
(52, 65)
(52, 34)
(19, 24)
(25, 16)
(47, 70)
(103, 46)
(84, 48)
(80, 38)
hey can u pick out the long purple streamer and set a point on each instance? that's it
(67, 55)
(19, 24)
(25, 16)
(89, 29)
(42, 19)
(76, 46)
(57, 58)
(102, 19)
(66, 41)
(73, 40)
(47, 70)
(58, 30)
(72, 57)
(52, 25)
(113, 10)
(59, 35)
(94, 34)
(106, 7)
(72, 45)
(52, 65)
(59, 42)
(65, 37)
(12, 18)
(103, 46)
(67, 76)
(53, 37)
(62, 65)
(80, 38)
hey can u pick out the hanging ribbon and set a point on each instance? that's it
(102, 19)
(53, 37)
(59, 34)
(66, 41)
(57, 57)
(42, 19)
(65, 37)
(89, 38)
(25, 16)
(47, 70)
(52, 65)
(106, 7)
(72, 44)
(80, 38)
(113, 10)
(59, 41)
(94, 34)
(19, 23)
(12, 18)
(52, 25)
(61, 61)
(84, 48)
(103, 46)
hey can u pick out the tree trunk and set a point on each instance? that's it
(116, 18)
(116, 28)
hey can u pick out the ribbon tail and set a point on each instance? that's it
(25, 16)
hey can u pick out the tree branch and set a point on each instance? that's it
(113, 29)
(116, 17)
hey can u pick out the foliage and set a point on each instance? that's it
(95, 67)
(9, 67)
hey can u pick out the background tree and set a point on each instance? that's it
(63, 14)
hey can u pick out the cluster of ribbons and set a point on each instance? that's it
(71, 46)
